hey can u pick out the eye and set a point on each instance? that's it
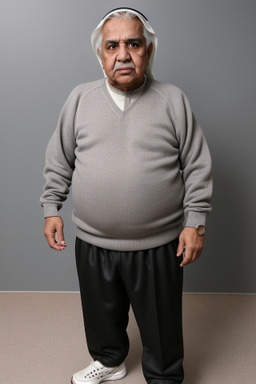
(111, 46)
(133, 45)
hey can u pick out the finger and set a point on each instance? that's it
(52, 242)
(60, 237)
(57, 246)
(180, 248)
(54, 227)
(190, 255)
(185, 261)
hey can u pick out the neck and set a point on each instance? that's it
(127, 90)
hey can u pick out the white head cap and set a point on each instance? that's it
(153, 38)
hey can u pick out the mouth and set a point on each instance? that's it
(125, 70)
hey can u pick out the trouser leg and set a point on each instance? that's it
(105, 303)
(153, 280)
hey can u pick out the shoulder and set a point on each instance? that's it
(168, 91)
(173, 96)
(86, 88)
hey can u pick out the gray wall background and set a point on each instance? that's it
(206, 47)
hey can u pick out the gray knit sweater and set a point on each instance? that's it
(134, 173)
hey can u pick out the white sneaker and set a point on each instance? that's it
(96, 373)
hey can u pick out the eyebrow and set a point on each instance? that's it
(138, 39)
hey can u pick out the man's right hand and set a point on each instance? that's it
(53, 231)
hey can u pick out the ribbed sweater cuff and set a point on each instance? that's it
(50, 210)
(194, 219)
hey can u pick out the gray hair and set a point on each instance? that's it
(129, 16)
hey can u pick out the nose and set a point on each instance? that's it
(123, 53)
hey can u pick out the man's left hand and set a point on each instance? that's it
(191, 244)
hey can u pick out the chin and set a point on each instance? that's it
(128, 81)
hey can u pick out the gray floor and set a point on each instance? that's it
(42, 339)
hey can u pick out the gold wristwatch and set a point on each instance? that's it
(200, 230)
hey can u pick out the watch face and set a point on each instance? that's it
(200, 230)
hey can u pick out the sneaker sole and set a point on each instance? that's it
(115, 376)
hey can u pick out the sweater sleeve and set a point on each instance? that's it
(195, 164)
(60, 159)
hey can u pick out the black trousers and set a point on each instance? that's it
(149, 280)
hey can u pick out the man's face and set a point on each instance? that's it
(124, 54)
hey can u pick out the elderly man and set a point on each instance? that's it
(141, 181)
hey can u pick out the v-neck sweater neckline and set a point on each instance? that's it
(139, 92)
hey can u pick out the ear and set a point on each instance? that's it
(150, 49)
(99, 53)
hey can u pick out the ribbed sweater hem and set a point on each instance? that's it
(130, 244)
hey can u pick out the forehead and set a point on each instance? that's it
(116, 29)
